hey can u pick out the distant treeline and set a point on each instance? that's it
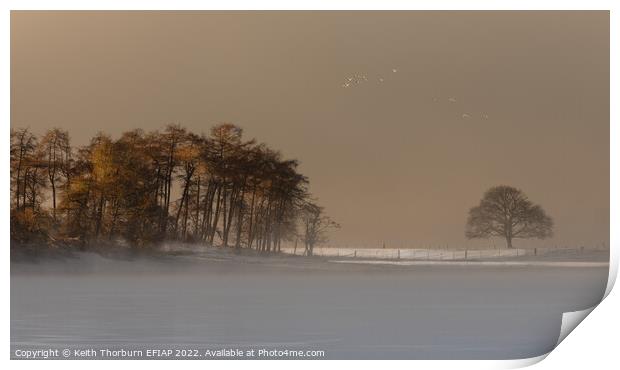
(230, 191)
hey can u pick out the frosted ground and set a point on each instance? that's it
(217, 300)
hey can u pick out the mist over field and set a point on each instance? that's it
(350, 312)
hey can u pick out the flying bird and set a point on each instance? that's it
(485, 116)
(355, 79)
(452, 100)
(465, 116)
(394, 70)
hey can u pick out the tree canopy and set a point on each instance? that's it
(506, 212)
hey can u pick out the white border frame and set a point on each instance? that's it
(577, 350)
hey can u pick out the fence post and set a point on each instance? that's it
(465, 253)
(399, 253)
(355, 253)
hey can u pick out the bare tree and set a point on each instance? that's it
(170, 139)
(188, 155)
(54, 145)
(315, 225)
(507, 212)
(23, 145)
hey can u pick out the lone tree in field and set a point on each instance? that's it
(506, 212)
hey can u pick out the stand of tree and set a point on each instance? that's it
(229, 191)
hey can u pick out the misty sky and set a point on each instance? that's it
(387, 161)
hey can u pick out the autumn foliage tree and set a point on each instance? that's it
(28, 182)
(506, 212)
(145, 187)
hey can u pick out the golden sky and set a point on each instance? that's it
(397, 161)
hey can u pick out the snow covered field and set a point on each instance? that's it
(348, 311)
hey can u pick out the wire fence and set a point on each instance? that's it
(436, 254)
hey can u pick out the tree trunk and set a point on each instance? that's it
(19, 170)
(197, 223)
(216, 216)
(224, 235)
(25, 187)
(53, 198)
(99, 216)
(251, 219)
(234, 194)
(114, 217)
(184, 200)
(240, 209)
(207, 211)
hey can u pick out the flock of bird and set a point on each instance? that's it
(356, 79)
(359, 79)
